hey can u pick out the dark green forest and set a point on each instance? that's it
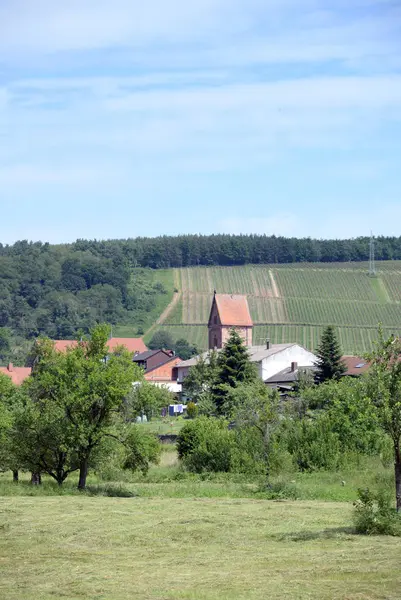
(225, 250)
(58, 290)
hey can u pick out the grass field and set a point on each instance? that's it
(293, 303)
(171, 534)
(190, 548)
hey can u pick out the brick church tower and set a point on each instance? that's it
(229, 312)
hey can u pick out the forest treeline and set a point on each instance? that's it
(57, 290)
(226, 250)
(216, 250)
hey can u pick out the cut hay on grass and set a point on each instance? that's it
(159, 548)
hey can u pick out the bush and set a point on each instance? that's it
(192, 410)
(282, 490)
(248, 451)
(374, 515)
(206, 444)
(314, 445)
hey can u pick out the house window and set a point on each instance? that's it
(215, 319)
(215, 342)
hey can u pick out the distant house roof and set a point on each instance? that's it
(149, 353)
(132, 344)
(256, 353)
(233, 310)
(16, 374)
(288, 375)
(63, 345)
(355, 365)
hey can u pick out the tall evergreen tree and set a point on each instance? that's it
(234, 367)
(329, 363)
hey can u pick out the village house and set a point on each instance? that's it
(232, 312)
(160, 368)
(152, 358)
(131, 344)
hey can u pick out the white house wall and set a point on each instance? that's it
(274, 363)
(282, 360)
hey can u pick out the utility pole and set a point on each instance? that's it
(372, 268)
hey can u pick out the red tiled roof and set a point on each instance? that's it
(17, 374)
(132, 344)
(355, 365)
(63, 345)
(233, 310)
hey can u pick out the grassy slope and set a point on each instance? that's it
(294, 302)
(192, 548)
(163, 276)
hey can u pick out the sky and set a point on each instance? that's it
(124, 118)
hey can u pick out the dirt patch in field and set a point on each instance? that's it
(169, 308)
(276, 292)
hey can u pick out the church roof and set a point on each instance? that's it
(233, 310)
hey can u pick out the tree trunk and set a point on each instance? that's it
(36, 479)
(397, 469)
(83, 473)
(15, 476)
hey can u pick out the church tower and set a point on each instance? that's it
(229, 312)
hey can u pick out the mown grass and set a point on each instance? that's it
(168, 425)
(192, 548)
(169, 480)
(171, 534)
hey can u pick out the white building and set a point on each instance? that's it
(270, 359)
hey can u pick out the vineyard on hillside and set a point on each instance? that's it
(294, 302)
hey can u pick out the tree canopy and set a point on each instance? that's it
(329, 363)
(75, 403)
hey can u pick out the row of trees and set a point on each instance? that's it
(77, 409)
(192, 250)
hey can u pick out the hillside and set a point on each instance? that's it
(139, 285)
(293, 302)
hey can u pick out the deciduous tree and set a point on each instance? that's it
(385, 391)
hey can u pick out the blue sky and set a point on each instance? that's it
(128, 118)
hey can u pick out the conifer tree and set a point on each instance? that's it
(329, 363)
(234, 367)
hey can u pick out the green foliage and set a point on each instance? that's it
(75, 402)
(314, 445)
(141, 449)
(374, 515)
(233, 367)
(199, 381)
(161, 340)
(329, 363)
(184, 349)
(5, 344)
(353, 417)
(147, 399)
(192, 410)
(206, 444)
